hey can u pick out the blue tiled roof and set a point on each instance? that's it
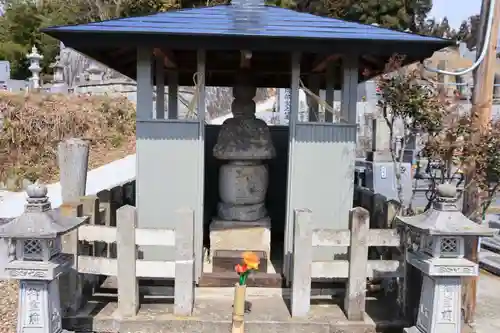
(256, 21)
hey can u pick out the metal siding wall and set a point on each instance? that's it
(168, 163)
(323, 176)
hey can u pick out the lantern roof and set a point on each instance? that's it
(444, 218)
(270, 32)
(39, 220)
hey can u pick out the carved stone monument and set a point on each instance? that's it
(244, 142)
(36, 260)
(440, 257)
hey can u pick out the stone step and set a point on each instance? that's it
(489, 261)
(491, 244)
(266, 314)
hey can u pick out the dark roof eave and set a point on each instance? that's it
(106, 39)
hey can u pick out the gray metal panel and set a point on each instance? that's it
(168, 163)
(322, 177)
(325, 133)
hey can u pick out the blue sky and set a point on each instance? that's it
(455, 10)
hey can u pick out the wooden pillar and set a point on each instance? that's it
(173, 91)
(350, 78)
(293, 118)
(198, 229)
(160, 87)
(330, 91)
(144, 84)
(482, 99)
(311, 102)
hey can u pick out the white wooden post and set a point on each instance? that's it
(184, 263)
(355, 299)
(128, 287)
(301, 263)
(73, 156)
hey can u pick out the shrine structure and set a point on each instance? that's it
(243, 180)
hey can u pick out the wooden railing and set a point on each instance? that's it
(356, 269)
(107, 246)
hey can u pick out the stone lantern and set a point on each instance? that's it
(36, 260)
(58, 85)
(440, 257)
(34, 57)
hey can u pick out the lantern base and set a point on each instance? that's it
(439, 309)
(39, 307)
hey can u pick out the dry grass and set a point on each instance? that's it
(35, 123)
(8, 306)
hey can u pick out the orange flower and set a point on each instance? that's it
(240, 268)
(251, 260)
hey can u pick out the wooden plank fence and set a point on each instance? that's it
(107, 246)
(356, 269)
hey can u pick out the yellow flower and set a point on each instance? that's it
(251, 260)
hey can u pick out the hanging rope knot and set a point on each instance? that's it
(191, 113)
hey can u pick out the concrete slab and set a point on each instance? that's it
(489, 261)
(488, 304)
(491, 243)
(269, 313)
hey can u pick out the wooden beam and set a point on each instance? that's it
(372, 60)
(321, 64)
(245, 59)
(168, 57)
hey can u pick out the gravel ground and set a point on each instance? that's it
(8, 306)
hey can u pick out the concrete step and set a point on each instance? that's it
(491, 244)
(489, 261)
(268, 313)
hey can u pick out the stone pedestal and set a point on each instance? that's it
(241, 236)
(440, 306)
(39, 307)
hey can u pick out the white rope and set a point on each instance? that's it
(194, 101)
(322, 102)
